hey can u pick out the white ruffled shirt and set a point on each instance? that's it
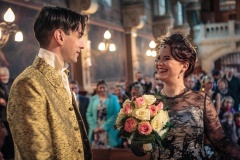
(53, 61)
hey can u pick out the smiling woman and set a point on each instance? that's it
(192, 112)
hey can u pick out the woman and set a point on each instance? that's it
(207, 86)
(101, 117)
(174, 63)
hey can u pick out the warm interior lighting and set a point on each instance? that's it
(112, 47)
(9, 16)
(107, 45)
(101, 46)
(107, 35)
(8, 28)
(19, 36)
(151, 52)
(152, 44)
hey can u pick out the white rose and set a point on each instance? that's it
(141, 113)
(160, 120)
(149, 99)
(119, 123)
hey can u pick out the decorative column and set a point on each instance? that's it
(132, 13)
(193, 15)
(81, 70)
(162, 24)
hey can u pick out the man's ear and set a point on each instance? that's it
(58, 35)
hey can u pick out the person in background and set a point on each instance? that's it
(3, 134)
(229, 128)
(222, 91)
(237, 122)
(5, 85)
(190, 82)
(82, 101)
(233, 85)
(216, 74)
(157, 84)
(226, 106)
(101, 117)
(147, 84)
(206, 86)
(139, 80)
(42, 112)
(120, 93)
(136, 91)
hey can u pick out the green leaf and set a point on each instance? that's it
(126, 134)
(143, 139)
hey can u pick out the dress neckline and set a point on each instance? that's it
(185, 90)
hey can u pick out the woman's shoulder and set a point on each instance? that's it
(94, 97)
(198, 97)
(110, 95)
(197, 93)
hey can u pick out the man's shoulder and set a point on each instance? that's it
(83, 97)
(29, 74)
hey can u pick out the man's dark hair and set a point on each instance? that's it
(51, 18)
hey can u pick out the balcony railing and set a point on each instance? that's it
(216, 31)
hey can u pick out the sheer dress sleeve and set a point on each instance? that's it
(215, 133)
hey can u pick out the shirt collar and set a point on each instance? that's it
(52, 59)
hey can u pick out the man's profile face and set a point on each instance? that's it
(73, 44)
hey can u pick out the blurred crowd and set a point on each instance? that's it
(99, 109)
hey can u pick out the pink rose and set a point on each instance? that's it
(127, 109)
(144, 128)
(140, 102)
(130, 124)
(159, 106)
(153, 110)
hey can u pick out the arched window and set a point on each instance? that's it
(227, 5)
(162, 7)
(180, 15)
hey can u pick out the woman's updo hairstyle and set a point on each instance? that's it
(181, 50)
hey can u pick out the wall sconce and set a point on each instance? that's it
(107, 44)
(152, 51)
(7, 28)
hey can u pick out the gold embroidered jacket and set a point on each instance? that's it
(45, 124)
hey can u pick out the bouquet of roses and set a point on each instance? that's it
(143, 120)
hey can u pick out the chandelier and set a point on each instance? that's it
(106, 45)
(152, 51)
(7, 28)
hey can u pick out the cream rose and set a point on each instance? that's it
(119, 123)
(149, 99)
(141, 113)
(160, 120)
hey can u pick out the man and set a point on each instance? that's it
(233, 86)
(5, 85)
(42, 112)
(82, 101)
(157, 84)
(138, 76)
